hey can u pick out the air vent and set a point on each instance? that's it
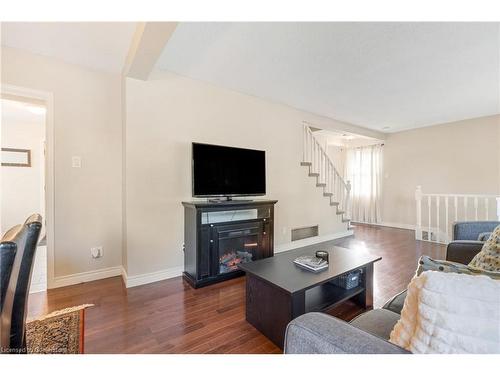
(304, 232)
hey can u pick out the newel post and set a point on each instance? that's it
(418, 201)
(348, 199)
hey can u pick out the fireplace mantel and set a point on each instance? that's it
(218, 236)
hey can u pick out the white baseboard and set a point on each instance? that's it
(136, 280)
(83, 277)
(386, 224)
(311, 241)
(146, 278)
(38, 287)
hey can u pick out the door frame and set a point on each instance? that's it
(49, 219)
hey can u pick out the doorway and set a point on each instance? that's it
(23, 172)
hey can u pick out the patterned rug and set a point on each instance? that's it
(60, 332)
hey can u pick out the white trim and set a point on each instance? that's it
(146, 278)
(84, 277)
(48, 98)
(38, 287)
(385, 224)
(311, 241)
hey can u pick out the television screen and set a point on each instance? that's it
(228, 171)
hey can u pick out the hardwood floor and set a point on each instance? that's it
(171, 317)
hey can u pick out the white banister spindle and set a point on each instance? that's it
(327, 177)
(446, 218)
(315, 157)
(418, 199)
(304, 143)
(324, 167)
(438, 222)
(486, 209)
(475, 208)
(456, 207)
(466, 201)
(429, 202)
(310, 145)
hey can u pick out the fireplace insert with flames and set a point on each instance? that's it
(221, 240)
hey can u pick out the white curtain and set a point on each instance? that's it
(364, 171)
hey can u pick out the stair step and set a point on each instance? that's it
(334, 203)
(313, 174)
(327, 194)
(305, 163)
(320, 184)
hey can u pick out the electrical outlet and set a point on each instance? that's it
(96, 252)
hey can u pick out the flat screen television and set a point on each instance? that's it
(221, 171)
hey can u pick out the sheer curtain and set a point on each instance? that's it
(364, 170)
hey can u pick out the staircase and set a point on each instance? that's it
(327, 177)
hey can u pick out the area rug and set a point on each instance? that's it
(60, 332)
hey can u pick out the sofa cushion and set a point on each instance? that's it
(378, 322)
(316, 333)
(395, 304)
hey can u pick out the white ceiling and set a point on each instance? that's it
(343, 139)
(377, 75)
(95, 45)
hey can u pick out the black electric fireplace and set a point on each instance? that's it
(221, 236)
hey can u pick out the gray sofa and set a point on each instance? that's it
(369, 332)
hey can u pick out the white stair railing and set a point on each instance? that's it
(327, 176)
(437, 212)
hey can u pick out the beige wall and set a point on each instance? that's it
(166, 114)
(459, 157)
(87, 122)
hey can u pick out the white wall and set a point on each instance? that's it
(460, 157)
(87, 123)
(21, 186)
(167, 113)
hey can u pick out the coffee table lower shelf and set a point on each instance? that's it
(269, 308)
(326, 296)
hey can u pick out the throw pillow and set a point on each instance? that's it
(450, 313)
(483, 237)
(426, 263)
(488, 259)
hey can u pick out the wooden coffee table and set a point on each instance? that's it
(278, 291)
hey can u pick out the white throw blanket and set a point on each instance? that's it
(450, 313)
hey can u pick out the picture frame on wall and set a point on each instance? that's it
(16, 157)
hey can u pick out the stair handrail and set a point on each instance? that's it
(321, 164)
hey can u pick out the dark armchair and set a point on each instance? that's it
(15, 287)
(465, 244)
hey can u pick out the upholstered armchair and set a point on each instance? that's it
(468, 239)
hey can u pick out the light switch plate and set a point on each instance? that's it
(76, 162)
